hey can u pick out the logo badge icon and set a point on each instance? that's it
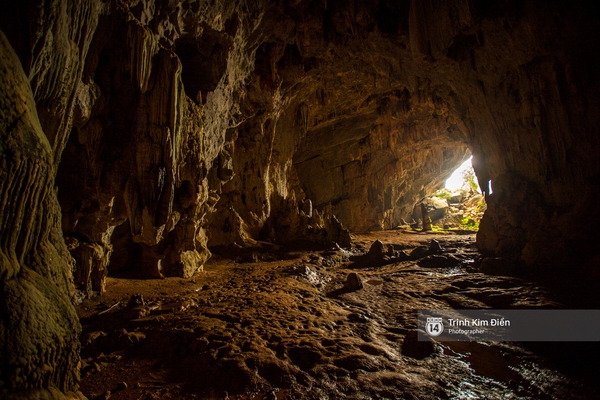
(434, 326)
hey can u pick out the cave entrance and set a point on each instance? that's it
(463, 178)
(459, 205)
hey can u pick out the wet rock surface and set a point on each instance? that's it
(412, 347)
(269, 330)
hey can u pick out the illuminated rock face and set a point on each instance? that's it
(39, 329)
(177, 126)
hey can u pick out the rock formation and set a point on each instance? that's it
(171, 127)
(39, 329)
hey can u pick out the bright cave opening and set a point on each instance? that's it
(463, 177)
(459, 205)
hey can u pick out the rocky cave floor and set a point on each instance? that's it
(280, 324)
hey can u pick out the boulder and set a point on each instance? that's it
(435, 246)
(353, 282)
(377, 250)
(436, 208)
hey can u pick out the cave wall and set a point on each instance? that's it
(150, 150)
(537, 135)
(170, 127)
(39, 329)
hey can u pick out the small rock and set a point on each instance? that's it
(390, 251)
(92, 337)
(131, 338)
(435, 247)
(412, 347)
(78, 297)
(358, 317)
(122, 385)
(136, 300)
(353, 282)
(377, 250)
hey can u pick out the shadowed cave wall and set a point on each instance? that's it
(151, 131)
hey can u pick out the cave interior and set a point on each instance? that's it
(209, 198)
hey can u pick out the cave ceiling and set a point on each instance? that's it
(185, 125)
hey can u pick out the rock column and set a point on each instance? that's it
(39, 329)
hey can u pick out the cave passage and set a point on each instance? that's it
(223, 199)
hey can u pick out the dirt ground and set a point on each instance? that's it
(280, 324)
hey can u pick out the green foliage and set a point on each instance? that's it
(469, 223)
(443, 194)
(481, 206)
(470, 179)
(437, 228)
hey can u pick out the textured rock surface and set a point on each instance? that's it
(39, 329)
(210, 123)
(289, 328)
(176, 126)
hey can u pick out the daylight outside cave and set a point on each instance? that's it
(463, 178)
(459, 205)
(246, 199)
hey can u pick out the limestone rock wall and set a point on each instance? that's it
(39, 329)
(537, 136)
(182, 125)
(183, 133)
(169, 127)
(391, 106)
(149, 150)
(52, 39)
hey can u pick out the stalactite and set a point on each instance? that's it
(57, 62)
(143, 46)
